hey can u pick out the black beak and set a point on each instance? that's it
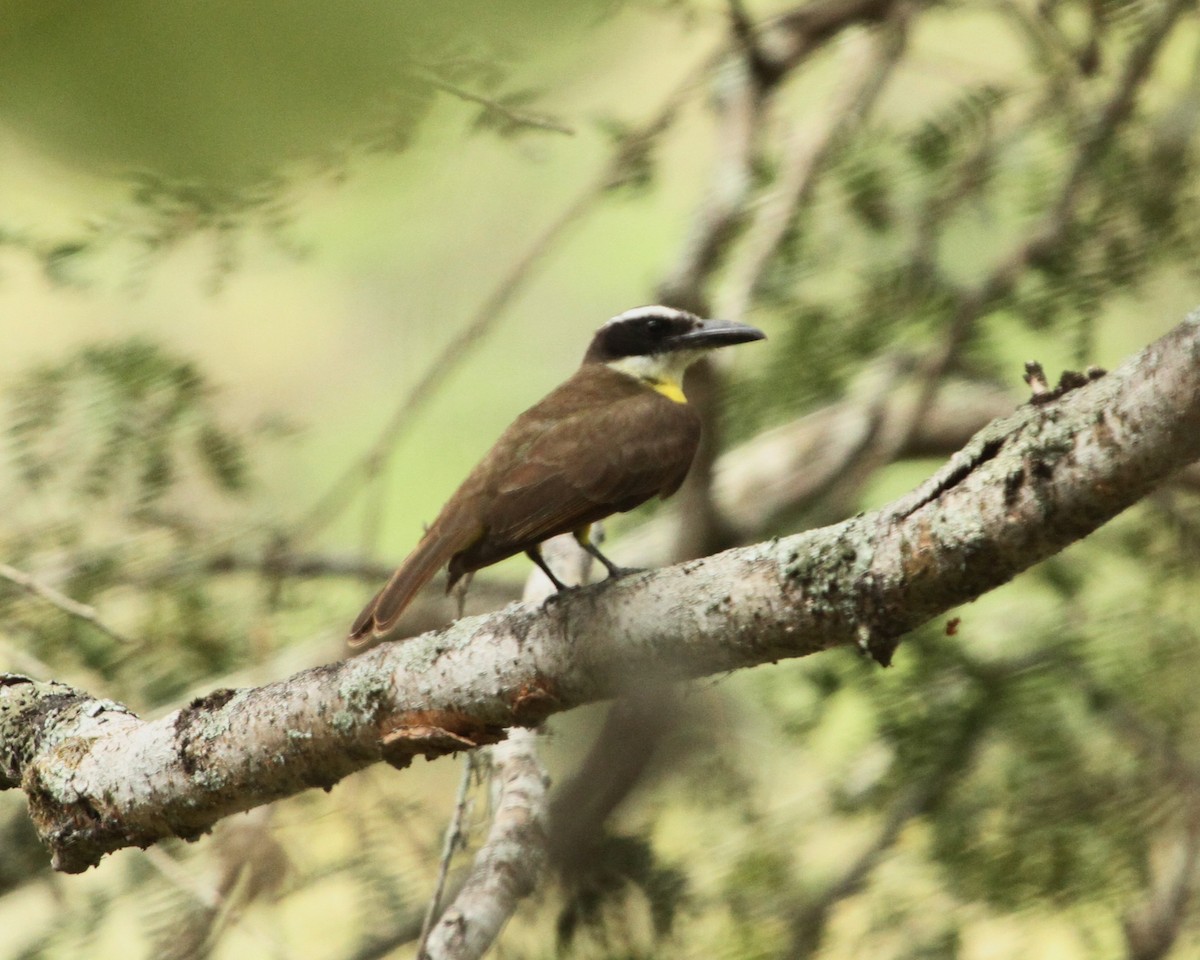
(716, 333)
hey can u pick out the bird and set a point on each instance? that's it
(616, 433)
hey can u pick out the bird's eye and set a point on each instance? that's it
(656, 326)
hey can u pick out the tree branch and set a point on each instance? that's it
(97, 778)
(790, 37)
(743, 90)
(510, 863)
(455, 837)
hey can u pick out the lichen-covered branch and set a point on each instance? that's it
(98, 778)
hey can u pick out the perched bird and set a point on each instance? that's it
(615, 434)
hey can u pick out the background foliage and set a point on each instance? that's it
(272, 276)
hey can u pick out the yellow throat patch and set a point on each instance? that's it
(669, 389)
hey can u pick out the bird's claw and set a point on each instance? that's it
(560, 593)
(617, 572)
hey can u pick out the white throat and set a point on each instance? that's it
(658, 367)
(662, 372)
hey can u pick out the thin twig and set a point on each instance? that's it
(73, 608)
(454, 836)
(518, 118)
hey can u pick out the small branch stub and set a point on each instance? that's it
(1035, 376)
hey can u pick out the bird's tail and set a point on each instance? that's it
(380, 615)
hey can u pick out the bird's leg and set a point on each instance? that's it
(535, 554)
(612, 568)
(583, 537)
(460, 592)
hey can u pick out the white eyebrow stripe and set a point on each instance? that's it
(639, 313)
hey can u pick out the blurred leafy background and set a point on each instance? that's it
(272, 276)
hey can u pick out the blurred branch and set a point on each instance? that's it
(1153, 927)
(299, 566)
(742, 90)
(1117, 108)
(744, 86)
(788, 38)
(509, 865)
(740, 95)
(433, 607)
(1052, 53)
(72, 608)
(252, 867)
(804, 157)
(455, 838)
(739, 103)
(15, 658)
(97, 778)
(617, 761)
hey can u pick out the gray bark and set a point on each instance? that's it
(98, 778)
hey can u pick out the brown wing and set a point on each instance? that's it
(600, 460)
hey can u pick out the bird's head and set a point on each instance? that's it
(658, 343)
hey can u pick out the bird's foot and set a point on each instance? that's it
(561, 593)
(615, 572)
